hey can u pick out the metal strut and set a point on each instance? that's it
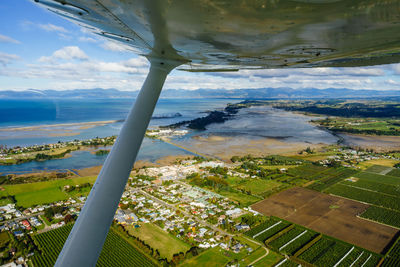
(87, 237)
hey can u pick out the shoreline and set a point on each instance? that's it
(44, 127)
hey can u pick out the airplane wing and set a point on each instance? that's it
(245, 33)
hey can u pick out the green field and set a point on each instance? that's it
(253, 256)
(373, 177)
(31, 194)
(378, 169)
(159, 239)
(394, 172)
(270, 260)
(382, 215)
(367, 196)
(330, 177)
(213, 257)
(243, 199)
(382, 192)
(116, 251)
(258, 186)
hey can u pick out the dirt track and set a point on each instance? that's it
(330, 215)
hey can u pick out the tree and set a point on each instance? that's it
(68, 218)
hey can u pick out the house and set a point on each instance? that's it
(26, 224)
(18, 233)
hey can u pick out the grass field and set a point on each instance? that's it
(253, 256)
(159, 239)
(258, 186)
(211, 258)
(31, 194)
(243, 199)
(270, 260)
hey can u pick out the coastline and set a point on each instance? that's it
(45, 127)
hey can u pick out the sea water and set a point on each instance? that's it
(43, 114)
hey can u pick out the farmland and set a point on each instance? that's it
(331, 177)
(330, 215)
(309, 246)
(382, 192)
(382, 215)
(328, 252)
(394, 172)
(366, 196)
(116, 251)
(393, 257)
(378, 169)
(373, 177)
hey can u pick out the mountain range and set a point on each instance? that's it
(260, 93)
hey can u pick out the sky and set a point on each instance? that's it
(40, 50)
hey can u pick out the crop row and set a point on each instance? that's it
(332, 178)
(390, 262)
(373, 177)
(393, 257)
(271, 221)
(371, 197)
(307, 171)
(116, 250)
(377, 169)
(382, 215)
(287, 263)
(317, 250)
(394, 172)
(285, 238)
(328, 252)
(375, 186)
(300, 242)
(333, 254)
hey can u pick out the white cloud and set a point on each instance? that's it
(66, 53)
(396, 68)
(52, 28)
(7, 39)
(6, 59)
(87, 39)
(115, 47)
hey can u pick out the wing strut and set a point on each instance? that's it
(87, 237)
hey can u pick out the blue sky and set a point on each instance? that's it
(40, 50)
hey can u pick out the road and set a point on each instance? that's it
(258, 243)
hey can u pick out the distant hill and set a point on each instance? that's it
(261, 93)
